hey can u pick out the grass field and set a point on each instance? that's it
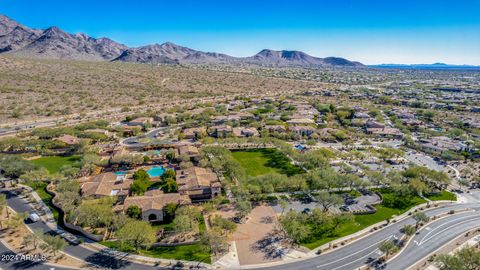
(188, 252)
(262, 161)
(54, 163)
(442, 196)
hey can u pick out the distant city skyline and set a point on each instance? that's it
(371, 32)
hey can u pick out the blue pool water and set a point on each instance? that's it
(120, 173)
(156, 171)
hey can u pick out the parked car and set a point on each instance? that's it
(306, 211)
(33, 217)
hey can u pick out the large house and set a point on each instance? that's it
(105, 184)
(152, 204)
(190, 151)
(245, 132)
(194, 133)
(303, 130)
(220, 131)
(200, 184)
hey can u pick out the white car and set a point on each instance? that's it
(33, 217)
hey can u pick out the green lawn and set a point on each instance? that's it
(262, 161)
(54, 163)
(40, 188)
(442, 196)
(363, 221)
(195, 252)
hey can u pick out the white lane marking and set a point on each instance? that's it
(428, 228)
(362, 258)
(446, 223)
(466, 221)
(321, 265)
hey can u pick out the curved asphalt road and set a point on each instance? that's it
(356, 254)
(434, 236)
(94, 258)
(133, 142)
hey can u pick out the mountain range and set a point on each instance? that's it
(425, 66)
(53, 43)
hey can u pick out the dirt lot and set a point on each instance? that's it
(253, 239)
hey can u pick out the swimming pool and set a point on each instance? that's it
(120, 173)
(156, 171)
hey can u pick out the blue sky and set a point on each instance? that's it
(369, 31)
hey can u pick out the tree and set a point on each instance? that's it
(168, 174)
(409, 230)
(283, 204)
(95, 213)
(13, 165)
(140, 183)
(244, 208)
(327, 200)
(36, 176)
(467, 258)
(169, 185)
(388, 247)
(420, 217)
(169, 210)
(133, 211)
(225, 225)
(54, 243)
(16, 220)
(295, 226)
(187, 219)
(137, 234)
(215, 239)
(31, 239)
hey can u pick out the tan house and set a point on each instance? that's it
(194, 133)
(105, 184)
(275, 128)
(153, 202)
(220, 131)
(200, 184)
(303, 130)
(190, 151)
(245, 132)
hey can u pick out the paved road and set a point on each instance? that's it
(8, 261)
(92, 257)
(357, 253)
(134, 142)
(434, 236)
